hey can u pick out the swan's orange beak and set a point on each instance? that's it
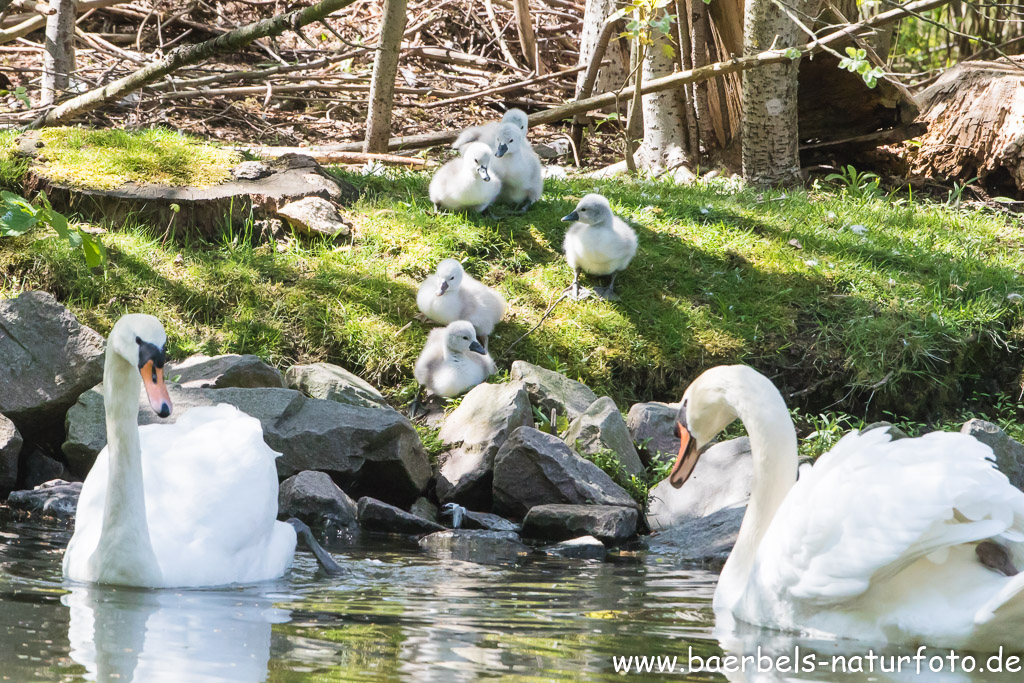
(153, 380)
(687, 458)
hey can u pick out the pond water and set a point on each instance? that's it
(397, 615)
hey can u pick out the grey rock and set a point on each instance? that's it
(608, 523)
(487, 521)
(552, 149)
(653, 426)
(368, 451)
(895, 432)
(533, 468)
(57, 499)
(601, 428)
(222, 372)
(40, 468)
(550, 390)
(315, 216)
(375, 515)
(1009, 453)
(481, 424)
(10, 446)
(251, 170)
(708, 540)
(333, 383)
(48, 360)
(582, 548)
(421, 507)
(482, 547)
(314, 498)
(722, 478)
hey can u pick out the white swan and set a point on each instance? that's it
(453, 361)
(451, 294)
(488, 132)
(914, 540)
(187, 504)
(598, 242)
(465, 182)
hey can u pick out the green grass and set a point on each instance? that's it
(107, 158)
(910, 316)
(12, 165)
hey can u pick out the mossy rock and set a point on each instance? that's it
(158, 176)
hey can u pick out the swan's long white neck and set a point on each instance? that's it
(124, 553)
(774, 453)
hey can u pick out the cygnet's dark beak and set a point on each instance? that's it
(573, 216)
(442, 288)
(477, 347)
(502, 148)
(482, 170)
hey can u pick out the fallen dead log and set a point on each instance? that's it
(328, 154)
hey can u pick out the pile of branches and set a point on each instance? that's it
(461, 61)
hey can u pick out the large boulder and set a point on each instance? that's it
(314, 498)
(708, 540)
(533, 468)
(653, 425)
(333, 383)
(487, 521)
(39, 468)
(48, 360)
(375, 515)
(488, 414)
(222, 372)
(57, 499)
(1009, 453)
(610, 523)
(601, 428)
(10, 447)
(482, 547)
(722, 478)
(550, 390)
(367, 451)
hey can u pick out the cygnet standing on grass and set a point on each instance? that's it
(488, 132)
(451, 294)
(518, 167)
(466, 181)
(598, 242)
(453, 361)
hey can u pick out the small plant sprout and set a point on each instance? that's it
(857, 185)
(857, 62)
(18, 216)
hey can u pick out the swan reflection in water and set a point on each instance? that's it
(128, 634)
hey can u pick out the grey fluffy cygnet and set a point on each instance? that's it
(598, 243)
(466, 182)
(451, 294)
(518, 166)
(487, 132)
(453, 361)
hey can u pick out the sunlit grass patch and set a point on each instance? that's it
(103, 159)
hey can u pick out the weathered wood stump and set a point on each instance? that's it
(975, 115)
(257, 189)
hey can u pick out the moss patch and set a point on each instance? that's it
(109, 158)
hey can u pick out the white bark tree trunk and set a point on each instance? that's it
(769, 110)
(664, 116)
(385, 71)
(613, 76)
(59, 58)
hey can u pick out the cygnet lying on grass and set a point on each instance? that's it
(453, 361)
(466, 181)
(598, 242)
(451, 294)
(518, 166)
(487, 132)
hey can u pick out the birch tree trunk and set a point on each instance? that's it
(665, 115)
(385, 71)
(59, 58)
(769, 109)
(613, 76)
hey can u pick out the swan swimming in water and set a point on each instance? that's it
(176, 505)
(909, 541)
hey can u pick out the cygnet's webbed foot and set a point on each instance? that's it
(524, 207)
(323, 557)
(414, 407)
(422, 318)
(577, 293)
(606, 293)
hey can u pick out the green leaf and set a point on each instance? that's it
(852, 51)
(14, 222)
(95, 252)
(668, 50)
(58, 222)
(793, 53)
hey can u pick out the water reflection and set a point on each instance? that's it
(160, 635)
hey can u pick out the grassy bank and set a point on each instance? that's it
(850, 302)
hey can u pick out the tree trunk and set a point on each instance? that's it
(527, 36)
(664, 115)
(385, 70)
(613, 76)
(59, 58)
